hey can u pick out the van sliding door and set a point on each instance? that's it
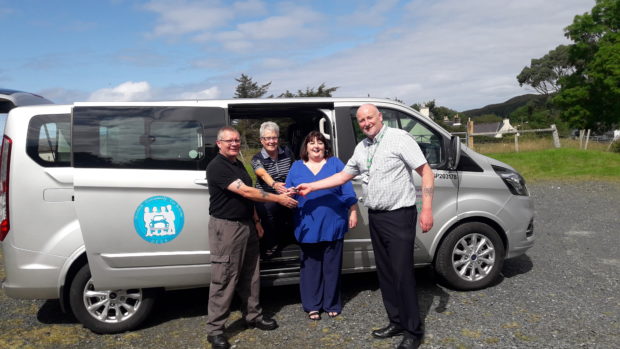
(140, 192)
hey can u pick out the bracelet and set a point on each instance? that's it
(256, 221)
(273, 184)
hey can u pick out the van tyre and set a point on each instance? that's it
(108, 311)
(470, 257)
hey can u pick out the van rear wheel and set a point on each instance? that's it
(108, 311)
(471, 257)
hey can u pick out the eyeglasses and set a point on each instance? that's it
(230, 141)
(269, 139)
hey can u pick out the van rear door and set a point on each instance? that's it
(140, 192)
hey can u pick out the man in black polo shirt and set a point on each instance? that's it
(234, 230)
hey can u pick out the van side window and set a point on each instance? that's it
(429, 141)
(48, 141)
(175, 138)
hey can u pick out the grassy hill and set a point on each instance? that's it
(503, 109)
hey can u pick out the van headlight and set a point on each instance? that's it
(513, 180)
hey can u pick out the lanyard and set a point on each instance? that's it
(372, 156)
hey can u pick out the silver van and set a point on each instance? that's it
(105, 204)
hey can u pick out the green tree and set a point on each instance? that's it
(247, 88)
(590, 96)
(543, 73)
(321, 91)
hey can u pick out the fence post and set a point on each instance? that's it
(516, 142)
(587, 139)
(581, 132)
(556, 137)
(470, 131)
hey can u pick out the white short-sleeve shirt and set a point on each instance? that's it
(386, 165)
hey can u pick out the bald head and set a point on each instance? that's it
(369, 119)
(366, 109)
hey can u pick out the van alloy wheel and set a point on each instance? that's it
(473, 257)
(111, 306)
(470, 257)
(108, 311)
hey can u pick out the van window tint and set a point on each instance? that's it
(49, 140)
(178, 138)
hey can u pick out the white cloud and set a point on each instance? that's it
(463, 54)
(272, 28)
(372, 16)
(125, 92)
(255, 7)
(183, 17)
(276, 63)
(210, 22)
(210, 93)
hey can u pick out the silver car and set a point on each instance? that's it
(103, 204)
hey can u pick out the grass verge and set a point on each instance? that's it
(564, 163)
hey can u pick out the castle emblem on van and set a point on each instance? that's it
(159, 219)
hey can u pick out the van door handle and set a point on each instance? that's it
(201, 181)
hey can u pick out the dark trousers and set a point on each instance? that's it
(319, 282)
(393, 236)
(277, 223)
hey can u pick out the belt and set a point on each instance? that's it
(236, 220)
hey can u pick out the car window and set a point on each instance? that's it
(180, 138)
(428, 140)
(48, 141)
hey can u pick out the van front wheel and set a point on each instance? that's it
(108, 311)
(470, 257)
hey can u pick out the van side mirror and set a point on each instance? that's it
(454, 153)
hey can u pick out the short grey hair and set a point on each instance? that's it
(269, 126)
(226, 129)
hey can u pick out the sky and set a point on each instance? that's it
(462, 54)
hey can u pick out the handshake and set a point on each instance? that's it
(286, 194)
(302, 189)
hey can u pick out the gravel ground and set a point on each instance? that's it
(562, 294)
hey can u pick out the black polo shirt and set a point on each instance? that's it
(223, 203)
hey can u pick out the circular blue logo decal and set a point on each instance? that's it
(159, 219)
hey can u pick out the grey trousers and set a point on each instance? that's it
(234, 265)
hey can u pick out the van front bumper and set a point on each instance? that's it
(518, 217)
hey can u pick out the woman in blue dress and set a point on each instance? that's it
(321, 220)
